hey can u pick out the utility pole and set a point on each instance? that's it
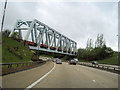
(3, 15)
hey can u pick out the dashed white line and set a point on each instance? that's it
(33, 84)
(94, 81)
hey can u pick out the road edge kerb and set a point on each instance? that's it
(23, 69)
(37, 81)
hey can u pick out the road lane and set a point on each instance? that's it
(25, 78)
(77, 76)
(63, 76)
(33, 84)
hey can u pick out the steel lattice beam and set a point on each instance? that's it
(42, 34)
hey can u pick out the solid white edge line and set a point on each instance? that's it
(33, 84)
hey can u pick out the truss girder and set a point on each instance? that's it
(43, 34)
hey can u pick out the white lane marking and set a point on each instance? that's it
(94, 81)
(33, 84)
(98, 70)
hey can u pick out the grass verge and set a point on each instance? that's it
(110, 60)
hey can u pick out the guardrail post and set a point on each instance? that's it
(102, 66)
(23, 64)
(114, 68)
(8, 66)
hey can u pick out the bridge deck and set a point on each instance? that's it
(48, 50)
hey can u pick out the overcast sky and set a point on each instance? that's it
(76, 20)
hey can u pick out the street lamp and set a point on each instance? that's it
(3, 15)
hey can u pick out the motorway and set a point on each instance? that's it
(61, 76)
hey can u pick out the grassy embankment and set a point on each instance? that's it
(13, 51)
(110, 60)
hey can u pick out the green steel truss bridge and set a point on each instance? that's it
(42, 37)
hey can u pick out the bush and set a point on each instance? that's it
(96, 53)
(16, 36)
(6, 32)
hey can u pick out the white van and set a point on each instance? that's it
(76, 59)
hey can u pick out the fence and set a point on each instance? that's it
(108, 67)
(10, 65)
(8, 68)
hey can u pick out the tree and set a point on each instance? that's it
(89, 44)
(16, 36)
(100, 51)
(100, 42)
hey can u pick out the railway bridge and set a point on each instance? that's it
(39, 36)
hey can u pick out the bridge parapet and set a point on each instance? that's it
(45, 38)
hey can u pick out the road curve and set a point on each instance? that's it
(77, 76)
(62, 76)
(25, 78)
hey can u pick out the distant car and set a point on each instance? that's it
(95, 62)
(73, 62)
(48, 59)
(54, 60)
(76, 60)
(58, 62)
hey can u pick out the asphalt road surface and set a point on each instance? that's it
(61, 76)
